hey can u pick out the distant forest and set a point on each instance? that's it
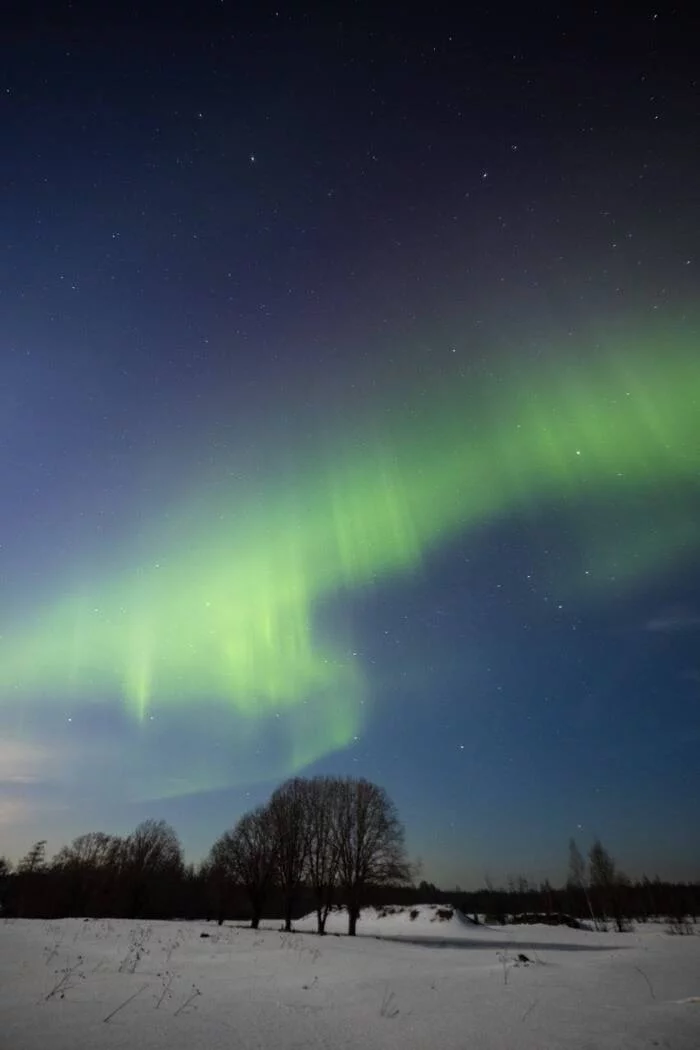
(317, 844)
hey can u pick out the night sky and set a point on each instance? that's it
(350, 422)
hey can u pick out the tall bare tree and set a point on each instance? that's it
(577, 866)
(371, 848)
(245, 855)
(288, 814)
(606, 884)
(91, 866)
(602, 865)
(31, 872)
(95, 849)
(34, 860)
(216, 873)
(151, 852)
(577, 877)
(153, 846)
(323, 855)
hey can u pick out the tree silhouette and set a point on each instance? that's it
(606, 884)
(91, 867)
(371, 848)
(151, 856)
(577, 866)
(34, 860)
(245, 855)
(288, 812)
(323, 854)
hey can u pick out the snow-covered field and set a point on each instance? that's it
(429, 982)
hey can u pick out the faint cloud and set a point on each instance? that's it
(13, 811)
(24, 763)
(674, 620)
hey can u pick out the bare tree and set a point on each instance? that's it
(31, 881)
(90, 868)
(577, 866)
(606, 884)
(371, 849)
(546, 894)
(34, 860)
(95, 849)
(153, 846)
(288, 814)
(152, 851)
(577, 876)
(245, 856)
(601, 864)
(323, 854)
(214, 871)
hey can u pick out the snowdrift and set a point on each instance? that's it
(417, 920)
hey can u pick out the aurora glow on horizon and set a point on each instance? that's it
(354, 431)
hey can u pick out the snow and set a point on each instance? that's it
(420, 921)
(427, 982)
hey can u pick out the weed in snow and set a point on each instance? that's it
(173, 945)
(389, 1008)
(124, 1003)
(165, 993)
(66, 978)
(190, 998)
(136, 950)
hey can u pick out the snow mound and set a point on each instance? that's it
(446, 916)
(416, 920)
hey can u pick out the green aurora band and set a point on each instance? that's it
(226, 611)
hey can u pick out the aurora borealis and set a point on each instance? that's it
(225, 612)
(266, 511)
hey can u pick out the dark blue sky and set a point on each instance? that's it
(227, 239)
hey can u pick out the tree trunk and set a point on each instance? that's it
(353, 916)
(321, 916)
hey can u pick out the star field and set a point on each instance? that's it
(350, 393)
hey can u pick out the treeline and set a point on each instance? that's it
(317, 844)
(596, 891)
